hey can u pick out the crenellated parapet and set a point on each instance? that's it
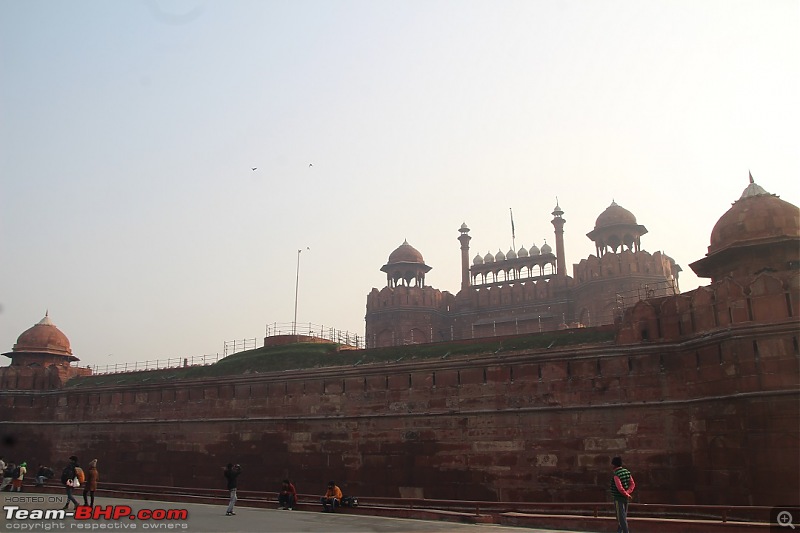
(767, 298)
(625, 264)
(407, 315)
(405, 297)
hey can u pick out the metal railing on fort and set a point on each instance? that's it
(315, 330)
(155, 364)
(236, 345)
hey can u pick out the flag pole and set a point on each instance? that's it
(513, 237)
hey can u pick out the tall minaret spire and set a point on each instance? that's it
(558, 222)
(464, 238)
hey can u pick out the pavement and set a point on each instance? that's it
(26, 512)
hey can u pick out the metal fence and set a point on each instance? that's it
(315, 330)
(156, 364)
(234, 346)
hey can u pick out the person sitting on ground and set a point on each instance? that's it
(332, 498)
(43, 474)
(287, 498)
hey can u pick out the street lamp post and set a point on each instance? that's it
(296, 287)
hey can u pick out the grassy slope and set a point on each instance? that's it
(312, 355)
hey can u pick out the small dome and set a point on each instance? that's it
(478, 260)
(614, 215)
(546, 249)
(511, 254)
(499, 256)
(405, 253)
(534, 250)
(44, 337)
(488, 258)
(522, 252)
(463, 227)
(757, 215)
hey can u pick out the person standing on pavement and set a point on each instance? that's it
(68, 476)
(622, 485)
(89, 488)
(232, 472)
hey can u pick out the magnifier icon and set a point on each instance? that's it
(785, 519)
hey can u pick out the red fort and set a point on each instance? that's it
(697, 390)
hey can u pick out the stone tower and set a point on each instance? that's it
(405, 311)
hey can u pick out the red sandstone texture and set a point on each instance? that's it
(700, 394)
(708, 420)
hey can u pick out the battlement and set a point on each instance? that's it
(508, 426)
(625, 263)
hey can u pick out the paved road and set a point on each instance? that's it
(204, 518)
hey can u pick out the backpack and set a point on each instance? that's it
(349, 501)
(66, 474)
(79, 474)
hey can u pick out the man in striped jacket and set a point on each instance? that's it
(622, 485)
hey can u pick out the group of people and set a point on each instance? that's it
(287, 497)
(74, 477)
(621, 489)
(13, 475)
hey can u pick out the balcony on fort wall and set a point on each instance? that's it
(279, 333)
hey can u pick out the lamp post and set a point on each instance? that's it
(296, 287)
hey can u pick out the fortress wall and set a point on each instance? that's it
(691, 419)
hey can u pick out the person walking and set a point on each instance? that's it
(92, 477)
(231, 473)
(622, 485)
(16, 484)
(68, 476)
(8, 476)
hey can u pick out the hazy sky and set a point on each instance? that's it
(128, 130)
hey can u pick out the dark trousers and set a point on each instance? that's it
(329, 504)
(621, 511)
(287, 499)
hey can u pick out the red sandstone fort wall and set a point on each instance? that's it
(706, 420)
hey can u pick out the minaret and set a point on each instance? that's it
(464, 238)
(558, 223)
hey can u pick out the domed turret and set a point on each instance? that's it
(759, 232)
(43, 343)
(616, 227)
(756, 216)
(511, 254)
(478, 260)
(613, 216)
(488, 258)
(405, 253)
(534, 250)
(546, 249)
(405, 264)
(44, 337)
(522, 252)
(499, 256)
